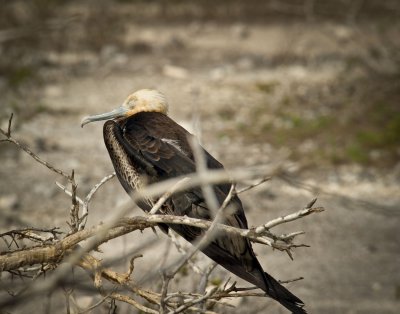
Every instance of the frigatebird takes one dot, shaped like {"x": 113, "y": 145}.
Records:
{"x": 146, "y": 146}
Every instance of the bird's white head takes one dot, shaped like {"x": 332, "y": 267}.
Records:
{"x": 144, "y": 100}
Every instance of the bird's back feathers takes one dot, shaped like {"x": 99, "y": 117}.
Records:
{"x": 151, "y": 144}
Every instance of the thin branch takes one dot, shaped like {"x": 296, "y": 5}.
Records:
{"x": 184, "y": 251}
{"x": 215, "y": 176}
{"x": 297, "y": 215}
{"x": 91, "y": 263}
{"x": 69, "y": 193}
{"x": 166, "y": 278}
{"x": 85, "y": 205}
{"x": 167, "y": 195}
{"x": 53, "y": 252}
{"x": 291, "y": 280}
{"x": 201, "y": 170}
{"x": 33, "y": 234}
{"x": 209, "y": 234}
{"x": 290, "y": 236}
{"x": 252, "y": 186}
{"x": 9, "y": 125}
{"x": 97, "y": 186}
{"x": 204, "y": 280}
{"x": 9, "y": 138}
{"x": 67, "y": 294}
{"x": 205, "y": 224}
{"x": 126, "y": 299}
{"x": 194, "y": 301}
{"x": 222, "y": 294}
{"x": 68, "y": 249}
{"x": 206, "y": 275}
{"x": 92, "y": 307}
{"x": 102, "y": 233}
{"x": 212, "y": 176}
{"x": 204, "y": 241}
{"x": 53, "y": 231}
{"x": 74, "y": 212}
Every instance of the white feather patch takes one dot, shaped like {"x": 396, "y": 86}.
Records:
{"x": 173, "y": 143}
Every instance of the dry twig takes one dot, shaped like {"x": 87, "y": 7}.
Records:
{"x": 11, "y": 139}
{"x": 61, "y": 253}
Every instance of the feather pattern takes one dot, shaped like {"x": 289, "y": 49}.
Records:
{"x": 150, "y": 147}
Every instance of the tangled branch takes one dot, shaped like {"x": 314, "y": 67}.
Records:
{"x": 53, "y": 250}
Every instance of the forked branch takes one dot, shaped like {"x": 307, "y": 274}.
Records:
{"x": 51, "y": 250}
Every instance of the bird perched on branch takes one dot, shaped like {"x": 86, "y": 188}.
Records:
{"x": 146, "y": 146}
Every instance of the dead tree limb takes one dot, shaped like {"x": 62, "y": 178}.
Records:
{"x": 52, "y": 251}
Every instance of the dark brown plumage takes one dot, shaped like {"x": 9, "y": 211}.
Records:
{"x": 150, "y": 145}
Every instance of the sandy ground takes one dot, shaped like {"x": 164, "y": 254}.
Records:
{"x": 353, "y": 263}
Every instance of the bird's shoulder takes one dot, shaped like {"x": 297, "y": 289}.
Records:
{"x": 159, "y": 134}
{"x": 158, "y": 126}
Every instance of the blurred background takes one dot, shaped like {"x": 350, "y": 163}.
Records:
{"x": 311, "y": 85}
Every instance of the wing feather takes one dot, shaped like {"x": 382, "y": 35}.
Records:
{"x": 159, "y": 148}
{"x": 170, "y": 162}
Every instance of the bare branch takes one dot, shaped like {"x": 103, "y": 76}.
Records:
{"x": 301, "y": 213}
{"x": 252, "y": 186}
{"x": 195, "y": 301}
{"x": 166, "y": 278}
{"x": 53, "y": 231}
{"x": 174, "y": 238}
{"x": 54, "y": 252}
{"x": 93, "y": 265}
{"x": 69, "y": 193}
{"x": 210, "y": 176}
{"x": 204, "y": 280}
{"x": 62, "y": 253}
{"x": 167, "y": 195}
{"x": 85, "y": 205}
{"x": 126, "y": 299}
{"x": 209, "y": 235}
{"x": 9, "y": 125}
{"x": 291, "y": 280}
{"x": 92, "y": 307}
{"x": 97, "y": 186}
{"x": 201, "y": 170}
{"x": 9, "y": 138}
{"x": 74, "y": 212}
{"x": 30, "y": 233}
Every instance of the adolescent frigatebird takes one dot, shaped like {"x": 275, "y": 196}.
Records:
{"x": 146, "y": 145}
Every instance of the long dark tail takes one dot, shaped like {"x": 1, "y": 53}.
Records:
{"x": 278, "y": 292}
{"x": 257, "y": 276}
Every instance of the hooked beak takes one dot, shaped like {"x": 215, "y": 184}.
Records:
{"x": 116, "y": 113}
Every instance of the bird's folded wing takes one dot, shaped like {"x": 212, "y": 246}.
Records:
{"x": 165, "y": 157}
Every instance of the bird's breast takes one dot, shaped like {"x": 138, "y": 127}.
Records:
{"x": 127, "y": 172}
